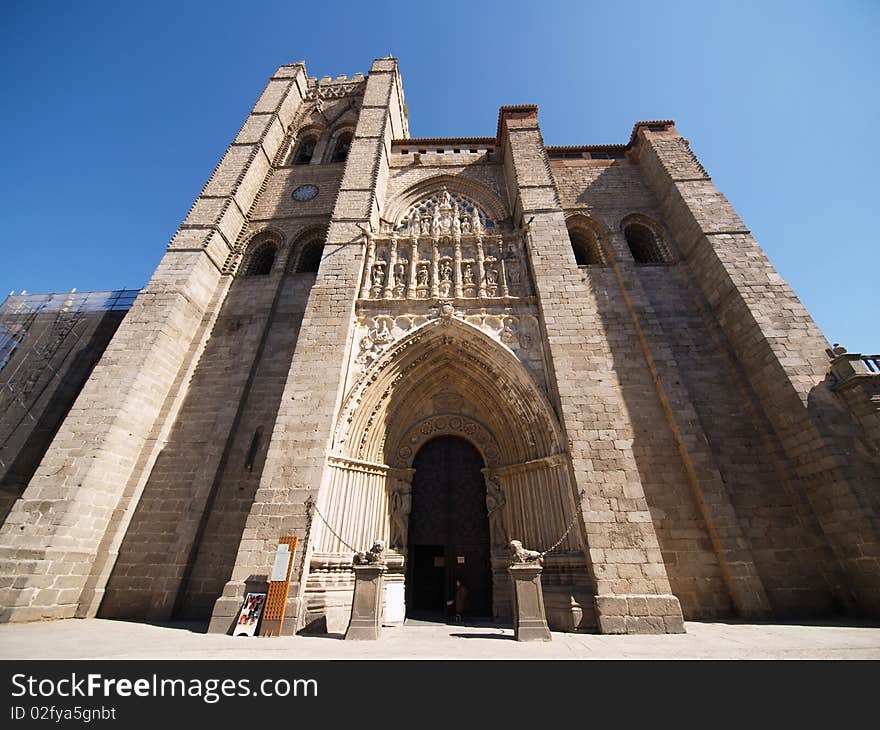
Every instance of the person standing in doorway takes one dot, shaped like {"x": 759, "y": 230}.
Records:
{"x": 459, "y": 600}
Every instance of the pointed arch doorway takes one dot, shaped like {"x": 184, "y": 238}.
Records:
{"x": 449, "y": 531}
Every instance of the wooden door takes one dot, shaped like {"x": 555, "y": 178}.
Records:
{"x": 449, "y": 530}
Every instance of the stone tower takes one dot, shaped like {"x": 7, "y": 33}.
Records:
{"x": 445, "y": 344}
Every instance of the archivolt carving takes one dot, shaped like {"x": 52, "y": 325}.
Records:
{"x": 466, "y": 192}
{"x": 445, "y": 213}
{"x": 447, "y": 425}
{"x": 413, "y": 371}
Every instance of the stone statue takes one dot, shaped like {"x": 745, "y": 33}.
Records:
{"x": 374, "y": 556}
{"x": 491, "y": 276}
{"x": 378, "y": 274}
{"x": 423, "y": 275}
{"x": 468, "y": 274}
{"x": 401, "y": 506}
{"x": 436, "y": 222}
{"x": 445, "y": 271}
{"x": 509, "y": 333}
{"x": 456, "y": 222}
{"x": 519, "y": 555}
{"x": 495, "y": 502}
{"x": 400, "y": 274}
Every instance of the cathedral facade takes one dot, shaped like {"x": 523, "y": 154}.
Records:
{"x": 446, "y": 344}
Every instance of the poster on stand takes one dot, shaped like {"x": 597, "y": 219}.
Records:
{"x": 249, "y": 616}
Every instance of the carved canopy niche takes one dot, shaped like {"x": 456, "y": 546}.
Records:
{"x": 444, "y": 245}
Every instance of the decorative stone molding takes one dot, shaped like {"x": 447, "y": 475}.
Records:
{"x": 482, "y": 357}
{"x": 338, "y": 89}
{"x": 447, "y": 425}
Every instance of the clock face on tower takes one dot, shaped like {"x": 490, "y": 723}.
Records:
{"x": 305, "y": 192}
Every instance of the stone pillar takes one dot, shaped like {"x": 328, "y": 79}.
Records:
{"x": 413, "y": 267}
{"x": 368, "y": 268}
{"x": 529, "y": 621}
{"x": 58, "y": 543}
{"x": 481, "y": 267}
{"x": 782, "y": 353}
{"x": 296, "y": 466}
{"x": 435, "y": 268}
{"x": 622, "y": 545}
{"x": 502, "y": 268}
{"x": 390, "y": 282}
{"x": 457, "y": 266}
{"x": 366, "y": 606}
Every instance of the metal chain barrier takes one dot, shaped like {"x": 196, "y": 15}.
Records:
{"x": 567, "y": 529}
{"x": 313, "y": 505}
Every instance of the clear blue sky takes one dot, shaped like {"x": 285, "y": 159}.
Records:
{"x": 115, "y": 113}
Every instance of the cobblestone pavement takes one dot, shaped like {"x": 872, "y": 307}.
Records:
{"x": 105, "y": 639}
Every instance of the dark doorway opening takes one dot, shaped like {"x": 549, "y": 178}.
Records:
{"x": 448, "y": 532}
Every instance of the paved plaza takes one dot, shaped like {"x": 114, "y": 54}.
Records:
{"x": 106, "y": 639}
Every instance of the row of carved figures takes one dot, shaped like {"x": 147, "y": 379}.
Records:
{"x": 454, "y": 222}
{"x": 394, "y": 283}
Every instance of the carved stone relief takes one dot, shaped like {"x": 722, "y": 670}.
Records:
{"x": 445, "y": 247}
{"x": 447, "y": 424}
{"x": 519, "y": 332}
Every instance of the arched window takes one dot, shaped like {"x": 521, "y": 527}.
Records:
{"x": 304, "y": 150}
{"x": 644, "y": 245}
{"x": 260, "y": 261}
{"x": 309, "y": 258}
{"x": 343, "y": 144}
{"x": 585, "y": 246}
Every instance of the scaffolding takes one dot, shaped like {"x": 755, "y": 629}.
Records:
{"x": 20, "y": 374}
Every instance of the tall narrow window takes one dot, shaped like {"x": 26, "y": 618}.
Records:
{"x": 586, "y": 247}
{"x": 343, "y": 144}
{"x": 644, "y": 246}
{"x": 304, "y": 151}
{"x": 261, "y": 260}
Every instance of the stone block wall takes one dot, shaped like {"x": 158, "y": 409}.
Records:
{"x": 179, "y": 547}
{"x": 782, "y": 355}
{"x": 623, "y": 547}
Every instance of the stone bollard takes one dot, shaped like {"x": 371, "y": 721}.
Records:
{"x": 366, "y": 606}
{"x": 526, "y": 566}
